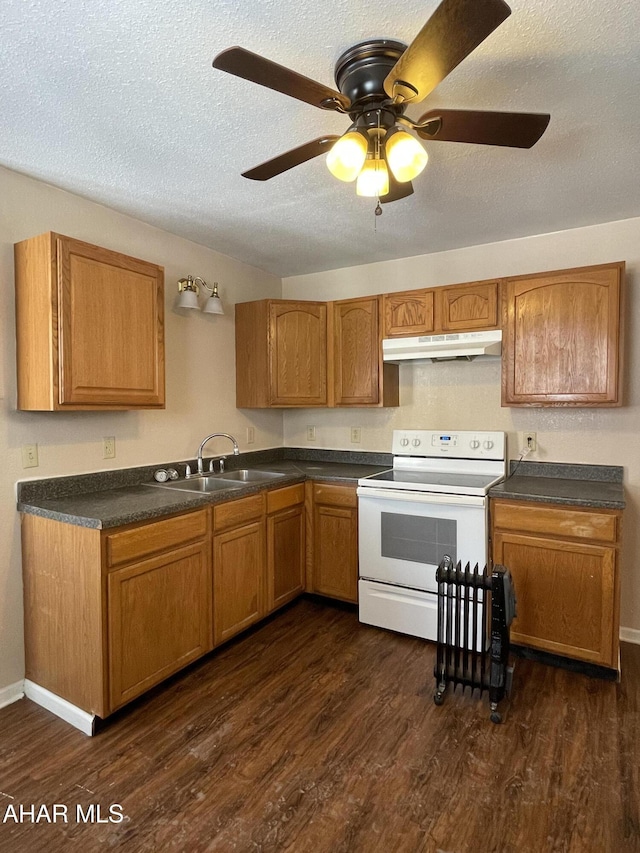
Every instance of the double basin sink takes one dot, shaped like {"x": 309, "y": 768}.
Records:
{"x": 216, "y": 482}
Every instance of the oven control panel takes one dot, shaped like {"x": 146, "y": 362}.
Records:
{"x": 464, "y": 444}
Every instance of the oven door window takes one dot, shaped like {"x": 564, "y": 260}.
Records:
{"x": 418, "y": 539}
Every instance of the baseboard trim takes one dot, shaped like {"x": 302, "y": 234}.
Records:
{"x": 60, "y": 707}
{"x": 11, "y": 693}
{"x": 630, "y": 635}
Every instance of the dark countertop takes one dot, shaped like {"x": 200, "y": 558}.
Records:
{"x": 112, "y": 507}
{"x": 595, "y": 486}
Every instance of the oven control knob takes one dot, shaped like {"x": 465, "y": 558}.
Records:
{"x": 488, "y": 444}
{"x": 416, "y": 442}
{"x": 474, "y": 443}
{"x": 404, "y": 442}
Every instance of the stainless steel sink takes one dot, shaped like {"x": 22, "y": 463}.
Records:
{"x": 199, "y": 484}
{"x": 249, "y": 475}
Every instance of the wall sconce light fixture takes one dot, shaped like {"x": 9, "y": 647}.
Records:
{"x": 189, "y": 288}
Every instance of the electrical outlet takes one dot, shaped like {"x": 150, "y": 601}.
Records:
{"x": 356, "y": 433}
{"x": 109, "y": 447}
{"x": 30, "y": 456}
{"x": 311, "y": 433}
{"x": 251, "y": 435}
{"x": 530, "y": 441}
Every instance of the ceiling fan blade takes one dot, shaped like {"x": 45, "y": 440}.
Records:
{"x": 513, "y": 130}
{"x": 454, "y": 30}
{"x": 397, "y": 190}
{"x": 257, "y": 69}
{"x": 291, "y": 158}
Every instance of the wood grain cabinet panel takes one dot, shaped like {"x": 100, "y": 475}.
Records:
{"x": 281, "y": 353}
{"x": 285, "y": 556}
{"x": 159, "y": 619}
{"x": 297, "y": 353}
{"x": 90, "y": 327}
{"x": 333, "y": 554}
{"x": 356, "y": 352}
{"x": 410, "y": 312}
{"x": 561, "y": 339}
{"x": 565, "y": 572}
{"x": 467, "y": 307}
{"x": 104, "y": 622}
{"x": 238, "y": 580}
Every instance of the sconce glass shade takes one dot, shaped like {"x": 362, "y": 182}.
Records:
{"x": 188, "y": 297}
{"x": 373, "y": 180}
{"x": 405, "y": 156}
{"x": 346, "y": 158}
{"x": 213, "y": 305}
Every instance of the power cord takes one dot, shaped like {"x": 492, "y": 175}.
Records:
{"x": 524, "y": 453}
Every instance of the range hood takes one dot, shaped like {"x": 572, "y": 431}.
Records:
{"x": 454, "y": 345}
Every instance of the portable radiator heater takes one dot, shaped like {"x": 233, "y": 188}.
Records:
{"x": 475, "y": 610}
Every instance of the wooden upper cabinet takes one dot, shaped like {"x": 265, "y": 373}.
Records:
{"x": 458, "y": 308}
{"x": 356, "y": 352}
{"x": 561, "y": 338}
{"x": 467, "y": 307}
{"x": 281, "y": 353}
{"x": 90, "y": 327}
{"x": 298, "y": 353}
{"x": 408, "y": 313}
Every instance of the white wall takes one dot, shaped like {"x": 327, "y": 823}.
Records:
{"x": 459, "y": 395}
{"x": 200, "y": 366}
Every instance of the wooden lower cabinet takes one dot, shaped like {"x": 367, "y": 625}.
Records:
{"x": 285, "y": 545}
{"x": 238, "y": 580}
{"x": 110, "y": 613}
{"x": 333, "y": 556}
{"x": 563, "y": 560}
{"x": 159, "y": 619}
{"x": 258, "y": 557}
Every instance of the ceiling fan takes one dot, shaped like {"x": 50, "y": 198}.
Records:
{"x": 376, "y": 81}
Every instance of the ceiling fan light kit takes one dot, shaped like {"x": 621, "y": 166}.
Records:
{"x": 348, "y": 155}
{"x": 373, "y": 180}
{"x": 376, "y": 80}
{"x": 405, "y": 156}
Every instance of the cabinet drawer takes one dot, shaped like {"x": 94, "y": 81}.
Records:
{"x": 233, "y": 513}
{"x": 146, "y": 539}
{"x": 323, "y": 493}
{"x": 282, "y": 498}
{"x": 569, "y": 523}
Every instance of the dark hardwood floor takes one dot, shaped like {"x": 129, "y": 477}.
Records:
{"x": 315, "y": 733}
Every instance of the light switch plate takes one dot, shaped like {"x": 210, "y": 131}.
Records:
{"x": 30, "y": 456}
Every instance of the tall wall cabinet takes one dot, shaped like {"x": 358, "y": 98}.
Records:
{"x": 562, "y": 338}
{"x": 89, "y": 327}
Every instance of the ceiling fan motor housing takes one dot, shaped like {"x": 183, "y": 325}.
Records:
{"x": 360, "y": 73}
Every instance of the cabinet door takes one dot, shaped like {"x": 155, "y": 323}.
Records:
{"x": 356, "y": 352}
{"x": 408, "y": 313}
{"x": 159, "y": 617}
{"x": 110, "y": 324}
{"x": 298, "y": 353}
{"x": 467, "y": 307}
{"x": 238, "y": 580}
{"x": 335, "y": 551}
{"x": 565, "y": 593}
{"x": 285, "y": 556}
{"x": 562, "y": 338}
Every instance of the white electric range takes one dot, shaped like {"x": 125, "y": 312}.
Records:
{"x": 432, "y": 503}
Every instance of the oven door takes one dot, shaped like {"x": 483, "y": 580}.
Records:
{"x": 403, "y": 535}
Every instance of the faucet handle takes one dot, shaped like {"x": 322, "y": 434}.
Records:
{"x": 187, "y": 471}
{"x": 211, "y": 468}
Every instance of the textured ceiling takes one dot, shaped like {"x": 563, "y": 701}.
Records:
{"x": 117, "y": 101}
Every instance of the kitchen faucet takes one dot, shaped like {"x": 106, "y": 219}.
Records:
{"x": 236, "y": 449}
